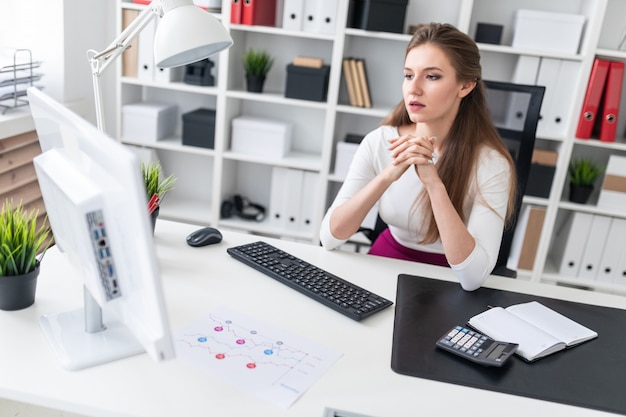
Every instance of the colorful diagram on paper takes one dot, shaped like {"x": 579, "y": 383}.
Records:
{"x": 256, "y": 357}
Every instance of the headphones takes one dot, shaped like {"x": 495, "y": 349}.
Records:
{"x": 241, "y": 207}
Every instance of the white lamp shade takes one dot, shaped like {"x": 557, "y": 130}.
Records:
{"x": 188, "y": 34}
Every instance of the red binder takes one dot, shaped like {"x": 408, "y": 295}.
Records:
{"x": 258, "y": 12}
{"x": 593, "y": 96}
{"x": 612, "y": 95}
{"x": 235, "y": 11}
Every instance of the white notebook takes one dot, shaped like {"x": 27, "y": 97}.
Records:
{"x": 537, "y": 329}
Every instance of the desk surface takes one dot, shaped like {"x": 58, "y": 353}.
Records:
{"x": 197, "y": 280}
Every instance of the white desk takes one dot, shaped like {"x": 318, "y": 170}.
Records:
{"x": 197, "y": 280}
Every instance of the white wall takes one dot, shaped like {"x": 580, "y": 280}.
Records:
{"x": 59, "y": 33}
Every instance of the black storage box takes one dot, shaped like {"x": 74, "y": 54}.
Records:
{"x": 199, "y": 128}
{"x": 488, "y": 33}
{"x": 307, "y": 83}
{"x": 540, "y": 180}
{"x": 378, "y": 15}
{"x": 541, "y": 174}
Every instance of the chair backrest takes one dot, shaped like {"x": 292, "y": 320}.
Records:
{"x": 515, "y": 112}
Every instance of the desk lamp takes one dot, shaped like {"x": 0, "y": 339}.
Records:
{"x": 185, "y": 34}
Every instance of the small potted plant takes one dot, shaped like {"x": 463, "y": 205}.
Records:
{"x": 583, "y": 173}
{"x": 22, "y": 240}
{"x": 156, "y": 187}
{"x": 256, "y": 65}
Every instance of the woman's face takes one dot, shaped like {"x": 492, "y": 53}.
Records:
{"x": 431, "y": 91}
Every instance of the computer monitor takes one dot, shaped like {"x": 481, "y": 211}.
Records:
{"x": 96, "y": 205}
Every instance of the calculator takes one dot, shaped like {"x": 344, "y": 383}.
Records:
{"x": 476, "y": 347}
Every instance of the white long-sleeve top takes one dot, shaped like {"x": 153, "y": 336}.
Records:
{"x": 485, "y": 216}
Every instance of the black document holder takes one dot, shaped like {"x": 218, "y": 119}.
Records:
{"x": 591, "y": 375}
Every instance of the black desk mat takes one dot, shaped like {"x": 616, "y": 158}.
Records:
{"x": 591, "y": 375}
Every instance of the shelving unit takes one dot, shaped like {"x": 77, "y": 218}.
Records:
{"x": 209, "y": 176}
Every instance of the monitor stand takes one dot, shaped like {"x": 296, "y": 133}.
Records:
{"x": 81, "y": 340}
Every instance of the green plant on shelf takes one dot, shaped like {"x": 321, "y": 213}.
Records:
{"x": 583, "y": 172}
{"x": 257, "y": 62}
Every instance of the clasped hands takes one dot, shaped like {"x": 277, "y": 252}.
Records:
{"x": 410, "y": 150}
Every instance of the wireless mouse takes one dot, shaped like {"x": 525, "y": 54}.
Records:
{"x": 204, "y": 236}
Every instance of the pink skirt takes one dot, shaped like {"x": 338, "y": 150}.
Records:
{"x": 385, "y": 245}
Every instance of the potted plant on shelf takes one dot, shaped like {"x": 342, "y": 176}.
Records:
{"x": 583, "y": 173}
{"x": 22, "y": 240}
{"x": 156, "y": 187}
{"x": 256, "y": 65}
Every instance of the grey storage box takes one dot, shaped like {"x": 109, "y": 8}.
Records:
{"x": 199, "y": 128}
{"x": 307, "y": 83}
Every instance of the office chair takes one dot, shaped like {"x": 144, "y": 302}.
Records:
{"x": 515, "y": 110}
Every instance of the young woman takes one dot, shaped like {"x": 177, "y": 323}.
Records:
{"x": 442, "y": 177}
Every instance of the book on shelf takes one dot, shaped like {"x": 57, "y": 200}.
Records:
{"x": 356, "y": 82}
{"x": 539, "y": 330}
{"x": 363, "y": 83}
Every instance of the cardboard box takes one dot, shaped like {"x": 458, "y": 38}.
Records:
{"x": 488, "y": 33}
{"x": 613, "y": 192}
{"x": 148, "y": 121}
{"x": 307, "y": 83}
{"x": 378, "y": 15}
{"x": 548, "y": 31}
{"x": 199, "y": 128}
{"x": 261, "y": 137}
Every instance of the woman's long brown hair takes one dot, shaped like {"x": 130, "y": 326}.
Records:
{"x": 472, "y": 128}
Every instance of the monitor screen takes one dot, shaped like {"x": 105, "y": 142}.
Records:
{"x": 96, "y": 205}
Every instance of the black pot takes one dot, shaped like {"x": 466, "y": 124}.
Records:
{"x": 579, "y": 194}
{"x": 153, "y": 218}
{"x": 255, "y": 83}
{"x": 18, "y": 291}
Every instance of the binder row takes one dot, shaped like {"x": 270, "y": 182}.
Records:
{"x": 357, "y": 84}
{"x": 592, "y": 247}
{"x": 558, "y": 76}
{"x": 293, "y": 199}
{"x": 317, "y": 16}
{"x": 600, "y": 112}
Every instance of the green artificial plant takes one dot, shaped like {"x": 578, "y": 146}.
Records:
{"x": 21, "y": 239}
{"x": 151, "y": 173}
{"x": 257, "y": 62}
{"x": 583, "y": 172}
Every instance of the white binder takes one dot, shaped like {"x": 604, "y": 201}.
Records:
{"x": 278, "y": 196}
{"x": 293, "y": 12}
{"x": 293, "y": 199}
{"x": 613, "y": 260}
{"x": 309, "y": 201}
{"x": 145, "y": 52}
{"x": 320, "y": 16}
{"x": 547, "y": 76}
{"x": 594, "y": 247}
{"x": 562, "y": 99}
{"x": 569, "y": 243}
{"x": 525, "y": 72}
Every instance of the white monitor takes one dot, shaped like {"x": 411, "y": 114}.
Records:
{"x": 96, "y": 204}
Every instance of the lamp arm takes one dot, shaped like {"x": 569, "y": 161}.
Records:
{"x": 100, "y": 61}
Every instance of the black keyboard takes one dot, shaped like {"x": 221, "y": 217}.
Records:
{"x": 330, "y": 290}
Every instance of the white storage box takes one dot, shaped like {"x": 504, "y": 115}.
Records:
{"x": 613, "y": 192}
{"x": 148, "y": 121}
{"x": 547, "y": 31}
{"x": 261, "y": 137}
{"x": 343, "y": 157}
